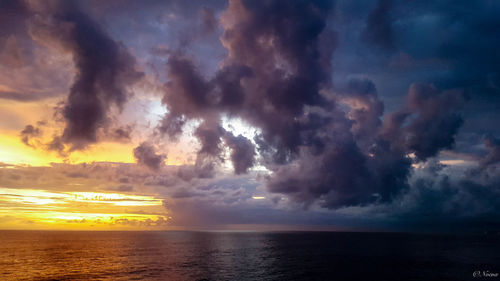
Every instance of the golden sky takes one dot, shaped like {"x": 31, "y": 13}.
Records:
{"x": 40, "y": 209}
{"x": 27, "y": 204}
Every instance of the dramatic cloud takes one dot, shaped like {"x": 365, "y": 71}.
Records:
{"x": 146, "y": 155}
{"x": 366, "y": 108}
{"x": 277, "y": 78}
{"x": 28, "y": 133}
{"x": 104, "y": 69}
{"x": 436, "y": 201}
{"x": 242, "y": 152}
{"x": 382, "y": 112}
{"x": 429, "y": 122}
{"x": 267, "y": 82}
{"x": 378, "y": 26}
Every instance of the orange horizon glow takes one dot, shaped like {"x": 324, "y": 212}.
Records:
{"x": 42, "y": 209}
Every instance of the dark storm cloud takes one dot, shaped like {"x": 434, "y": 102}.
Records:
{"x": 493, "y": 156}
{"x": 209, "y": 134}
{"x": 468, "y": 47}
{"x": 146, "y": 155}
{"x": 277, "y": 66}
{"x": 189, "y": 95}
{"x": 252, "y": 84}
{"x": 336, "y": 177}
{"x": 438, "y": 201}
{"x": 56, "y": 144}
{"x": 28, "y": 133}
{"x": 428, "y": 123}
{"x": 317, "y": 150}
{"x": 425, "y": 50}
{"x": 366, "y": 108}
{"x": 187, "y": 90}
{"x": 104, "y": 69}
{"x": 242, "y": 152}
{"x": 378, "y": 26}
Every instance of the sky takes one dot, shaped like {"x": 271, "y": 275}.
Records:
{"x": 250, "y": 115}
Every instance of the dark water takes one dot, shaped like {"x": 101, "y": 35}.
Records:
{"x": 44, "y": 255}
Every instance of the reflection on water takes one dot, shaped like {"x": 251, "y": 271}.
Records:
{"x": 46, "y": 255}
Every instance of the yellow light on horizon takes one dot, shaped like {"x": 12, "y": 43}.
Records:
{"x": 42, "y": 209}
{"x": 115, "y": 198}
{"x": 14, "y": 151}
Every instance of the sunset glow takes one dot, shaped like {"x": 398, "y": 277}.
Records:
{"x": 40, "y": 209}
{"x": 256, "y": 114}
{"x": 249, "y": 140}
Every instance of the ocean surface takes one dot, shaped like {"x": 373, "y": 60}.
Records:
{"x": 57, "y": 255}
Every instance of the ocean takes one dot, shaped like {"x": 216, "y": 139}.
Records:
{"x": 179, "y": 255}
